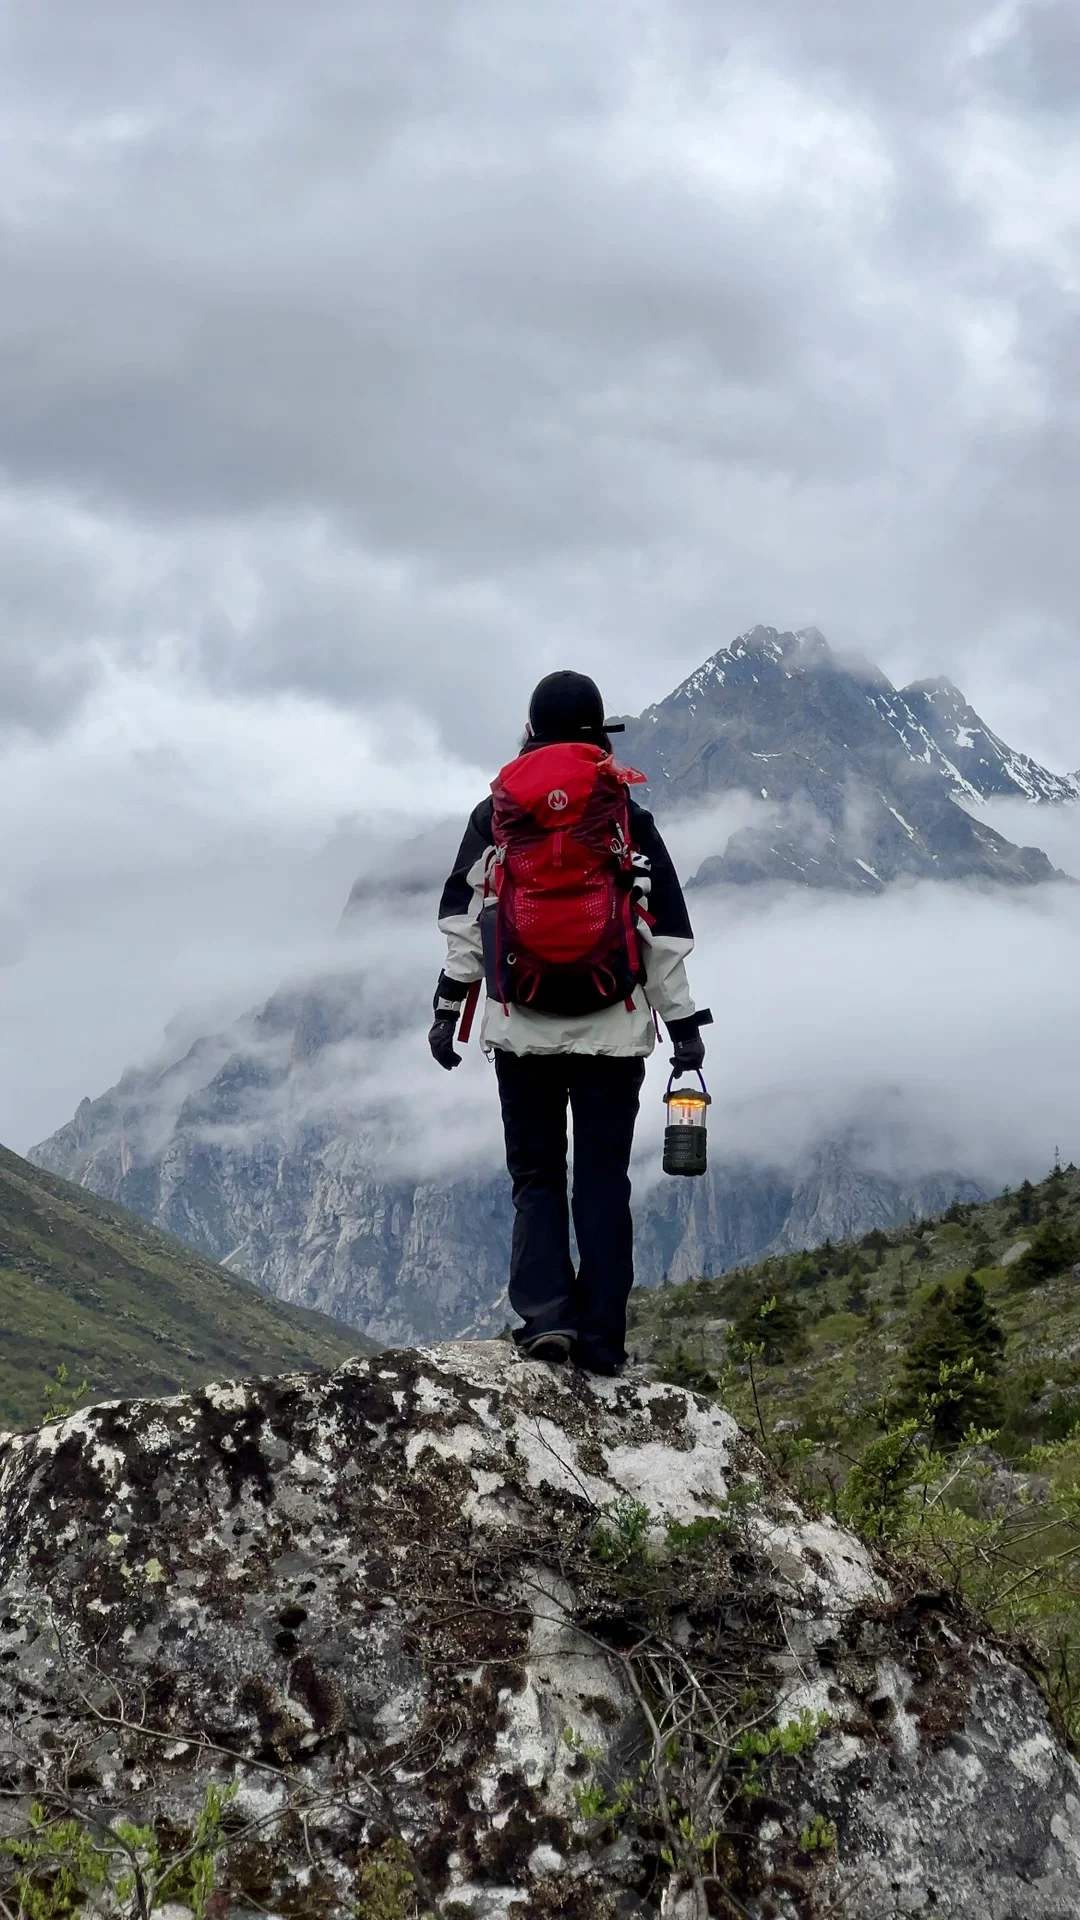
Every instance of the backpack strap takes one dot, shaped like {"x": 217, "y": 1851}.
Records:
{"x": 468, "y": 1014}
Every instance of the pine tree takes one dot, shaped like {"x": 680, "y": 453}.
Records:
{"x": 985, "y": 1340}
{"x": 938, "y": 1341}
{"x": 954, "y": 1329}
{"x": 1028, "y": 1206}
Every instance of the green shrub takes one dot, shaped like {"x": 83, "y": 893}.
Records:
{"x": 773, "y": 1324}
{"x": 385, "y": 1883}
{"x": 60, "y": 1869}
{"x": 692, "y": 1536}
{"x": 1053, "y": 1248}
{"x": 678, "y": 1368}
{"x": 622, "y": 1533}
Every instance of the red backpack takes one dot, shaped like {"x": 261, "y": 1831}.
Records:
{"x": 559, "y": 936}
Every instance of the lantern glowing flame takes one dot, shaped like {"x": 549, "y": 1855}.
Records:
{"x": 686, "y": 1106}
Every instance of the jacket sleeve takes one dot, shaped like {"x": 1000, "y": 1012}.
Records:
{"x": 462, "y": 899}
{"x": 670, "y": 938}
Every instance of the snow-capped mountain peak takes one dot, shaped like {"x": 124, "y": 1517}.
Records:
{"x": 866, "y": 782}
{"x": 762, "y": 652}
{"x": 938, "y": 726}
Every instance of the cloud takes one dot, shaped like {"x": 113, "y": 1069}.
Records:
{"x": 929, "y": 1024}
{"x": 695, "y": 836}
{"x": 936, "y": 1016}
{"x": 184, "y": 855}
{"x": 408, "y": 355}
{"x": 358, "y": 366}
{"x": 177, "y": 856}
{"x": 928, "y": 1028}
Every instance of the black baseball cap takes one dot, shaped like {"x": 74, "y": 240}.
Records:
{"x": 567, "y": 706}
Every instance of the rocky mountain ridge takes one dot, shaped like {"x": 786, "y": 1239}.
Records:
{"x": 862, "y": 784}
{"x": 227, "y": 1149}
{"x": 444, "y": 1633}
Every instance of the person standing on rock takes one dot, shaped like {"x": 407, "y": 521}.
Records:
{"x": 563, "y": 900}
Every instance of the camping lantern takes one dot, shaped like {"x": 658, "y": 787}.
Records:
{"x": 685, "y": 1140}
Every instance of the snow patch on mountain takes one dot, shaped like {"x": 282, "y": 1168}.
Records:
{"x": 937, "y": 725}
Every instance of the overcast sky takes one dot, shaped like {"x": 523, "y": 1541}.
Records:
{"x": 359, "y": 363}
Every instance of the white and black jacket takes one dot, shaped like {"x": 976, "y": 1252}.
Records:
{"x": 619, "y": 1030}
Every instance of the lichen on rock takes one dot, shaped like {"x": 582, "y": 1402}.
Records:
{"x": 525, "y": 1631}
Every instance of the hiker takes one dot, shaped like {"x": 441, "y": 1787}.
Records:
{"x": 564, "y": 901}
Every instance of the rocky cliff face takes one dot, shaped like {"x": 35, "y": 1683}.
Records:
{"x": 447, "y": 1633}
{"x": 861, "y": 781}
{"x": 229, "y": 1150}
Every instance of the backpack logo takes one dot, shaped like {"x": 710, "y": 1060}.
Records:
{"x": 557, "y": 800}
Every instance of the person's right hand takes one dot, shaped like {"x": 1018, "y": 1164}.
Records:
{"x": 689, "y": 1054}
{"x": 441, "y": 1041}
{"x": 685, "y": 1036}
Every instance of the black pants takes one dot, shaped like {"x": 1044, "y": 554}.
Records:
{"x": 603, "y": 1094}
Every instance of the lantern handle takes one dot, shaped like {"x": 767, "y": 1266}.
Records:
{"x": 701, "y": 1077}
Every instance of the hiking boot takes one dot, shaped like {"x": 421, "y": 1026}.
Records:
{"x": 553, "y": 1347}
{"x": 610, "y": 1369}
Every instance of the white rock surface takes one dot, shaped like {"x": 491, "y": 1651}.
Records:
{"x": 378, "y": 1600}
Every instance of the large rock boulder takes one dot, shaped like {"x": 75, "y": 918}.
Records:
{"x": 473, "y": 1637}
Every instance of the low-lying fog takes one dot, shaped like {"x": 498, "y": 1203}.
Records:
{"x": 937, "y": 1019}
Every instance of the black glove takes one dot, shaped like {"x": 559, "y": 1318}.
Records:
{"x": 441, "y": 1041}
{"x": 689, "y": 1054}
{"x": 449, "y": 995}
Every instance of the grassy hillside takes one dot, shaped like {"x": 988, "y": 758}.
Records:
{"x": 850, "y": 1313}
{"x": 86, "y": 1285}
{"x": 923, "y": 1386}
